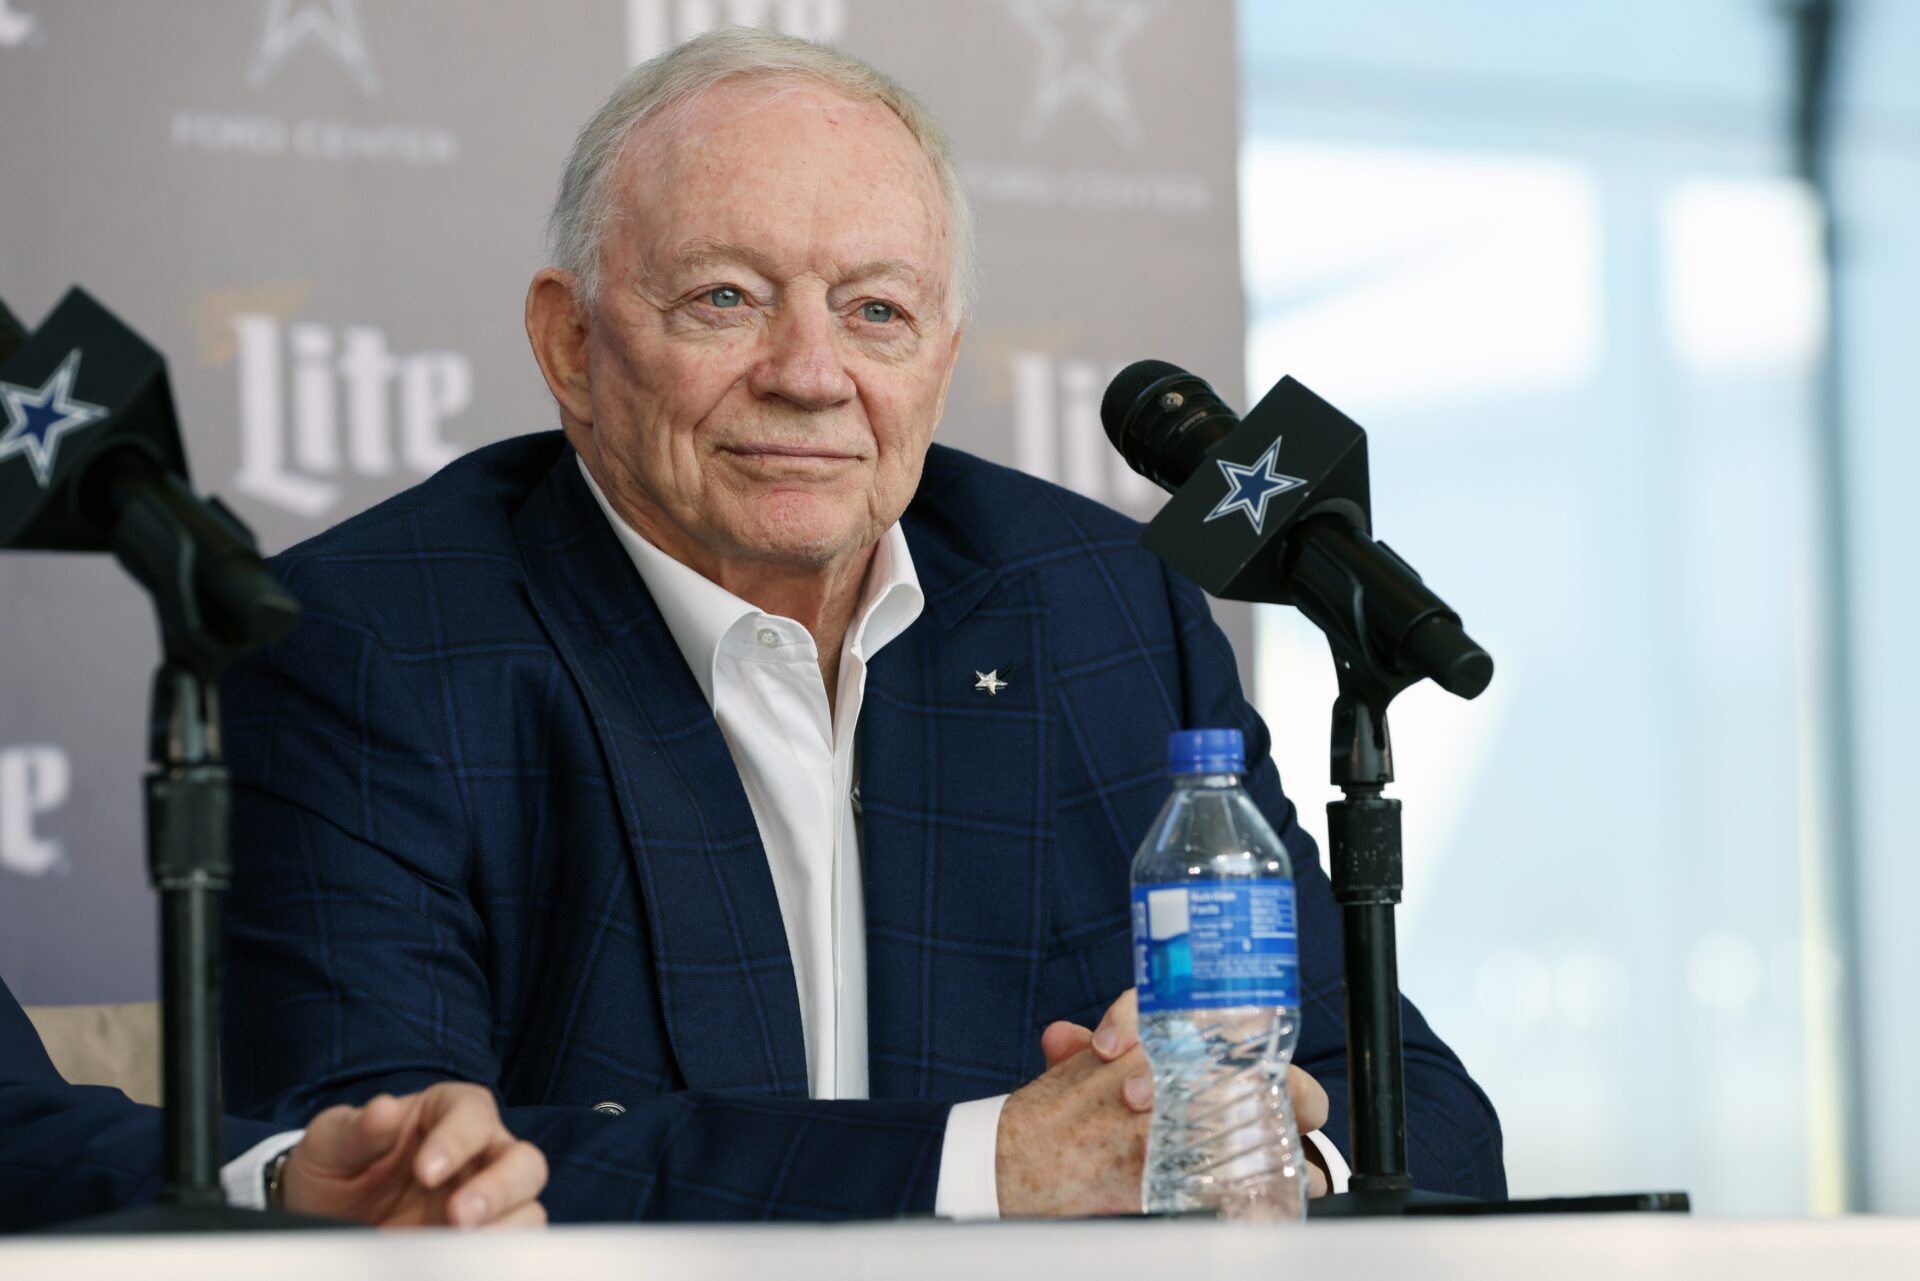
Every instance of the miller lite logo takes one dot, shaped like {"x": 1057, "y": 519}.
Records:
{"x": 34, "y": 781}
{"x": 1057, "y": 434}
{"x": 655, "y": 26}
{"x": 319, "y": 404}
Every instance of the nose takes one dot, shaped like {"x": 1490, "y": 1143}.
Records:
{"x": 801, "y": 362}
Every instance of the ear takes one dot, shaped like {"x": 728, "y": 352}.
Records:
{"x": 557, "y": 326}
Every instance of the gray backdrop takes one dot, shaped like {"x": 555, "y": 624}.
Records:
{"x": 325, "y": 213}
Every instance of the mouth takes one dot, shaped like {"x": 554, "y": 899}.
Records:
{"x": 792, "y": 452}
{"x": 800, "y": 454}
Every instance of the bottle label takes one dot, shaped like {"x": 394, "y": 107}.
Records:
{"x": 1201, "y": 945}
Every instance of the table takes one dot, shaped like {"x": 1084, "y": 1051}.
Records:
{"x": 1562, "y": 1248}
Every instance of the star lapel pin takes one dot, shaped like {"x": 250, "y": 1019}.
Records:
{"x": 990, "y": 682}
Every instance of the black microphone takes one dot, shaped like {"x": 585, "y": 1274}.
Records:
{"x": 91, "y": 460}
{"x": 1275, "y": 508}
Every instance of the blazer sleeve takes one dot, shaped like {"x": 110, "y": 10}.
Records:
{"x": 359, "y": 963}
{"x": 1453, "y": 1135}
{"x": 73, "y": 1150}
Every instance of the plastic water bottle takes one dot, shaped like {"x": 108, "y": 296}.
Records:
{"x": 1216, "y": 962}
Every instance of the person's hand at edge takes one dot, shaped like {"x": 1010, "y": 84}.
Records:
{"x": 441, "y": 1156}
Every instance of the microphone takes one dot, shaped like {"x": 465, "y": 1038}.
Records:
{"x": 91, "y": 460}
{"x": 1275, "y": 508}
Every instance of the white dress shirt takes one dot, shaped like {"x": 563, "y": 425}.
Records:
{"x": 761, "y": 675}
{"x": 245, "y": 1177}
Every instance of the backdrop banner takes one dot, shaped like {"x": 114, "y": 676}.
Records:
{"x": 326, "y": 212}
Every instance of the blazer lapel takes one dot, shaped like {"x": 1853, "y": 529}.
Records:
{"x": 956, "y": 791}
{"x": 720, "y": 958}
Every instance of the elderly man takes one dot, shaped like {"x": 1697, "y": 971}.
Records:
{"x": 742, "y": 785}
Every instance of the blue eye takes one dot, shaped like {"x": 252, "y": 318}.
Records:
{"x": 878, "y": 313}
{"x": 725, "y": 296}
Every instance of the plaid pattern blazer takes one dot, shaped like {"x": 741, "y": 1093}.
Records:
{"x": 486, "y": 827}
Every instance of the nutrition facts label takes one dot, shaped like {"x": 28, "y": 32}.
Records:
{"x": 1211, "y": 944}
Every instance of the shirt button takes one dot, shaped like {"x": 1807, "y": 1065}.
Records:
{"x": 768, "y": 637}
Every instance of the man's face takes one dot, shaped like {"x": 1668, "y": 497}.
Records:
{"x": 773, "y": 336}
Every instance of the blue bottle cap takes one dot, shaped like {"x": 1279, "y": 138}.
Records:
{"x": 1206, "y": 751}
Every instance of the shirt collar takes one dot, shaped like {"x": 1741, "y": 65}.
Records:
{"x": 699, "y": 613}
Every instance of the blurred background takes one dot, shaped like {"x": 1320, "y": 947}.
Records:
{"x": 1633, "y": 411}
{"x": 1564, "y": 262}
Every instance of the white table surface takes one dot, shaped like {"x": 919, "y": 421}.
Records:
{"x": 1565, "y": 1249}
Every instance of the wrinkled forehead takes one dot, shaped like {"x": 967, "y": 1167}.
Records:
{"x": 793, "y": 168}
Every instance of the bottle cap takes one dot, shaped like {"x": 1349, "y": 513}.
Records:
{"x": 1206, "y": 751}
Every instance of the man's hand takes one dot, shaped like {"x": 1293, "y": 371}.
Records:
{"x": 1117, "y": 1040}
{"x": 441, "y": 1156}
{"x": 1071, "y": 1144}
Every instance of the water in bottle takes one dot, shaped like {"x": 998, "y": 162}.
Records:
{"x": 1216, "y": 962}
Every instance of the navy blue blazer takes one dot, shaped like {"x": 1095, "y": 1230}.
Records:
{"x": 486, "y": 828}
{"x": 73, "y": 1150}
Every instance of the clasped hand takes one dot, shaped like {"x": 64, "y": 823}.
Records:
{"x": 1073, "y": 1142}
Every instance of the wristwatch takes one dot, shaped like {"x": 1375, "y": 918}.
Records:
{"x": 275, "y": 1168}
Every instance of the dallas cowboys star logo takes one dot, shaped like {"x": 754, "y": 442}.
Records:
{"x": 37, "y": 417}
{"x": 1080, "y": 43}
{"x": 333, "y": 24}
{"x": 1249, "y": 488}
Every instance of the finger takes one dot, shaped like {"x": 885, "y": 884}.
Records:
{"x": 1309, "y": 1100}
{"x": 504, "y": 1186}
{"x": 1119, "y": 1030}
{"x": 346, "y": 1140}
{"x": 1316, "y": 1181}
{"x": 1062, "y": 1040}
{"x": 1136, "y": 1087}
{"x": 530, "y": 1215}
{"x": 462, "y": 1122}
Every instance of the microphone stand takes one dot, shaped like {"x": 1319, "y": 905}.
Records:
{"x": 190, "y": 864}
{"x": 214, "y": 601}
{"x": 1364, "y": 866}
{"x": 1363, "y": 858}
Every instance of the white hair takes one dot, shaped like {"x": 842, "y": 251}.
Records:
{"x": 586, "y": 203}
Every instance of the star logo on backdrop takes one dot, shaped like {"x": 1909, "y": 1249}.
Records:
{"x": 990, "y": 682}
{"x": 1250, "y": 488}
{"x": 1080, "y": 43}
{"x": 292, "y": 23}
{"x": 37, "y": 417}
